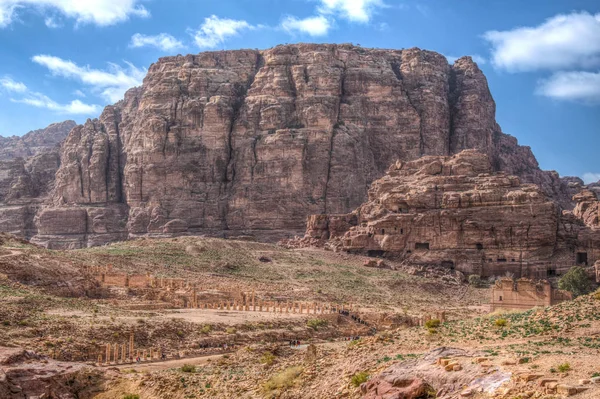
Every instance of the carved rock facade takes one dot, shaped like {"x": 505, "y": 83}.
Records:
{"x": 456, "y": 212}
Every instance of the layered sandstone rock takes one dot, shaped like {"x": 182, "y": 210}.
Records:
{"x": 251, "y": 142}
{"x": 456, "y": 212}
{"x": 28, "y": 166}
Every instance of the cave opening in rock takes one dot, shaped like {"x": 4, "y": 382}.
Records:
{"x": 422, "y": 245}
{"x": 582, "y": 258}
{"x": 448, "y": 264}
{"x": 375, "y": 253}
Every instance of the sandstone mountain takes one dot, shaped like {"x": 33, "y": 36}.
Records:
{"x": 457, "y": 213}
{"x": 28, "y": 167}
{"x": 250, "y": 142}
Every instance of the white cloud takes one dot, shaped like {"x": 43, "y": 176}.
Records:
{"x": 52, "y": 23}
{"x": 12, "y": 85}
{"x": 577, "y": 86}
{"x": 476, "y": 57}
{"x": 99, "y": 12}
{"x": 79, "y": 93}
{"x": 162, "y": 41}
{"x": 111, "y": 84}
{"x": 214, "y": 31}
{"x": 313, "y": 26}
{"x": 352, "y": 10}
{"x": 74, "y": 107}
{"x": 591, "y": 177}
{"x": 561, "y": 42}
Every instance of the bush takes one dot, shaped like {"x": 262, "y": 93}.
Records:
{"x": 501, "y": 322}
{"x": 267, "y": 358}
{"x": 475, "y": 281}
{"x": 358, "y": 378}
{"x": 316, "y": 323}
{"x": 563, "y": 368}
{"x": 206, "y": 329}
{"x": 597, "y": 295}
{"x": 433, "y": 323}
{"x": 283, "y": 380}
{"x": 188, "y": 368}
{"x": 576, "y": 281}
{"x": 131, "y": 396}
{"x": 231, "y": 330}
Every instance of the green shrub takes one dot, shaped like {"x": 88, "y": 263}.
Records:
{"x": 358, "y": 378}
{"x": 231, "y": 330}
{"x": 501, "y": 322}
{"x": 597, "y": 295}
{"x": 283, "y": 380}
{"x": 206, "y": 329}
{"x": 131, "y": 396}
{"x": 433, "y": 323}
{"x": 563, "y": 368}
{"x": 267, "y": 358}
{"x": 188, "y": 368}
{"x": 576, "y": 281}
{"x": 475, "y": 281}
{"x": 315, "y": 324}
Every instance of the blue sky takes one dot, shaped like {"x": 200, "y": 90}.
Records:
{"x": 66, "y": 59}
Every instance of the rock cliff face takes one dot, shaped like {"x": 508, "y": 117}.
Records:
{"x": 251, "y": 142}
{"x": 456, "y": 212}
{"x": 28, "y": 166}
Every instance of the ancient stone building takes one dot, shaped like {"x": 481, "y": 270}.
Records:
{"x": 456, "y": 212}
{"x": 525, "y": 294}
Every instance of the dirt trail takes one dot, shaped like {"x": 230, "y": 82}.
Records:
{"x": 167, "y": 364}
{"x": 13, "y": 252}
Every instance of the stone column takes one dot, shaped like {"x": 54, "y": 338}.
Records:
{"x": 301, "y": 307}
{"x": 253, "y": 303}
{"x": 123, "y": 353}
{"x": 260, "y": 305}
{"x": 131, "y": 345}
{"x": 107, "y": 353}
{"x": 116, "y": 353}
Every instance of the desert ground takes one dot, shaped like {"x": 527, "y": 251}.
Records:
{"x": 57, "y": 319}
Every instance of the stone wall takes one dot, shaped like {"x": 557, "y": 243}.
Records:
{"x": 525, "y": 294}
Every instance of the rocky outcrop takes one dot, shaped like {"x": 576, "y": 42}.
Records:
{"x": 28, "y": 166}
{"x": 25, "y": 374}
{"x": 251, "y": 142}
{"x": 456, "y": 212}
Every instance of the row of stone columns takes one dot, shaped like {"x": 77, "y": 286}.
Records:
{"x": 270, "y": 306}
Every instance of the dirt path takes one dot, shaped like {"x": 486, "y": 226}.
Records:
{"x": 13, "y": 252}
{"x": 168, "y": 364}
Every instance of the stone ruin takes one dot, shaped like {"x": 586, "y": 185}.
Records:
{"x": 192, "y": 295}
{"x": 524, "y": 294}
{"x": 455, "y": 212}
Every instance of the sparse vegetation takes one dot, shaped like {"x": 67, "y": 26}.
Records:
{"x": 315, "y": 324}
{"x": 359, "y": 378}
{"x": 131, "y": 396}
{"x": 268, "y": 358}
{"x": 475, "y": 281}
{"x": 283, "y": 380}
{"x": 188, "y": 368}
{"x": 501, "y": 322}
{"x": 564, "y": 367}
{"x": 433, "y": 323}
{"x": 576, "y": 281}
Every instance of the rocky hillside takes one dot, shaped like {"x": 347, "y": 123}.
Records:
{"x": 250, "y": 142}
{"x": 28, "y": 166}
{"x": 457, "y": 213}
{"x": 35, "y": 142}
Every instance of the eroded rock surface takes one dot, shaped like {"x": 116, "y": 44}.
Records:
{"x": 251, "y": 142}
{"x": 28, "y": 166}
{"x": 456, "y": 212}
